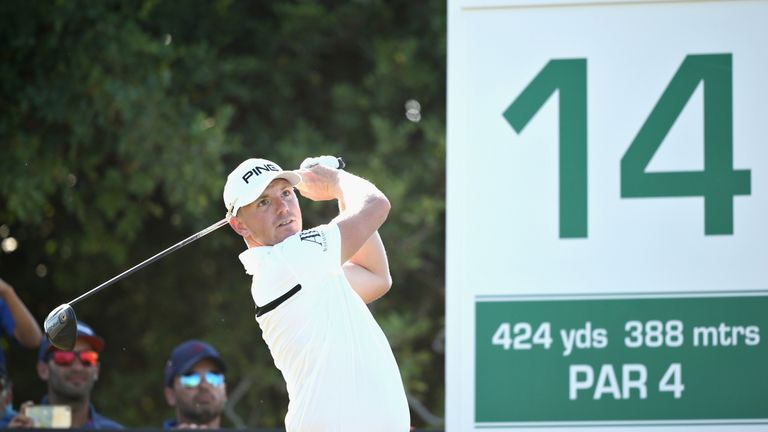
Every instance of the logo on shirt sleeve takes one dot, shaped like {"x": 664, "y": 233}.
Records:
{"x": 316, "y": 237}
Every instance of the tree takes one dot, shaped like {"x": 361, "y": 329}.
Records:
{"x": 121, "y": 120}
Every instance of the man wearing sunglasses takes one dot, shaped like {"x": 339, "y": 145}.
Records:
{"x": 71, "y": 376}
{"x": 194, "y": 386}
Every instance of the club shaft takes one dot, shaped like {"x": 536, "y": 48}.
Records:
{"x": 149, "y": 261}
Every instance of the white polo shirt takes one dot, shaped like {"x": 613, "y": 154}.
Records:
{"x": 338, "y": 366}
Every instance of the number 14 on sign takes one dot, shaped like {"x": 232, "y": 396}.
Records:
{"x": 717, "y": 183}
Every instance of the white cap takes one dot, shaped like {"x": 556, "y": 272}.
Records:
{"x": 249, "y": 180}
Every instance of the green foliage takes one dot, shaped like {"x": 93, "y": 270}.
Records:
{"x": 120, "y": 121}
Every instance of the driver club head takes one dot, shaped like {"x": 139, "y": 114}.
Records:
{"x": 61, "y": 327}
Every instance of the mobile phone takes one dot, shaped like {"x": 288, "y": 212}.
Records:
{"x": 50, "y": 416}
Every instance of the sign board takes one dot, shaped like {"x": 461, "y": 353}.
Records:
{"x": 607, "y": 215}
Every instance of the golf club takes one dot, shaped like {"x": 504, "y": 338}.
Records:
{"x": 61, "y": 324}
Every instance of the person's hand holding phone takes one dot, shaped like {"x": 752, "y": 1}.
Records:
{"x": 42, "y": 416}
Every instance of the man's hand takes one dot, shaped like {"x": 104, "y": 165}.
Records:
{"x": 20, "y": 420}
{"x": 319, "y": 183}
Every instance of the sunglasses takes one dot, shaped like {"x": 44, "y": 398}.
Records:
{"x": 193, "y": 379}
{"x": 66, "y": 358}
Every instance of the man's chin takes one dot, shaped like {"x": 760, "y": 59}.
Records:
{"x": 286, "y": 231}
{"x": 203, "y": 415}
{"x": 74, "y": 394}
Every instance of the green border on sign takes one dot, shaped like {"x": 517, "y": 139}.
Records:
{"x": 634, "y": 359}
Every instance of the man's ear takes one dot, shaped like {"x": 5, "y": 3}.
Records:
{"x": 170, "y": 397}
{"x": 239, "y": 226}
{"x": 42, "y": 371}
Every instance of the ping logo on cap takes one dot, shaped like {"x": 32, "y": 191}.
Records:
{"x": 257, "y": 170}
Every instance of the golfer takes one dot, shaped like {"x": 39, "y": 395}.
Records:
{"x": 311, "y": 288}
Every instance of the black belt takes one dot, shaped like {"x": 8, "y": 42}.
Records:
{"x": 277, "y": 302}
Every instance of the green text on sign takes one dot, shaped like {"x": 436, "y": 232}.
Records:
{"x": 717, "y": 183}
{"x": 621, "y": 359}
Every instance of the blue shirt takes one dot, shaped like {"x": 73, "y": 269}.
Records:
{"x": 174, "y": 424}
{"x": 7, "y": 326}
{"x": 8, "y": 415}
{"x": 95, "y": 420}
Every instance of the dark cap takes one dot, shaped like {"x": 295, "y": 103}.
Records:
{"x": 84, "y": 331}
{"x": 184, "y": 357}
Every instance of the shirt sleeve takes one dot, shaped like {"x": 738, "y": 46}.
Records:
{"x": 314, "y": 252}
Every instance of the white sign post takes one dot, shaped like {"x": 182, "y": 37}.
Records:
{"x": 607, "y": 215}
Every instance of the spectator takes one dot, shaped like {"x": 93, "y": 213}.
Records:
{"x": 16, "y": 322}
{"x": 194, "y": 386}
{"x": 71, "y": 376}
